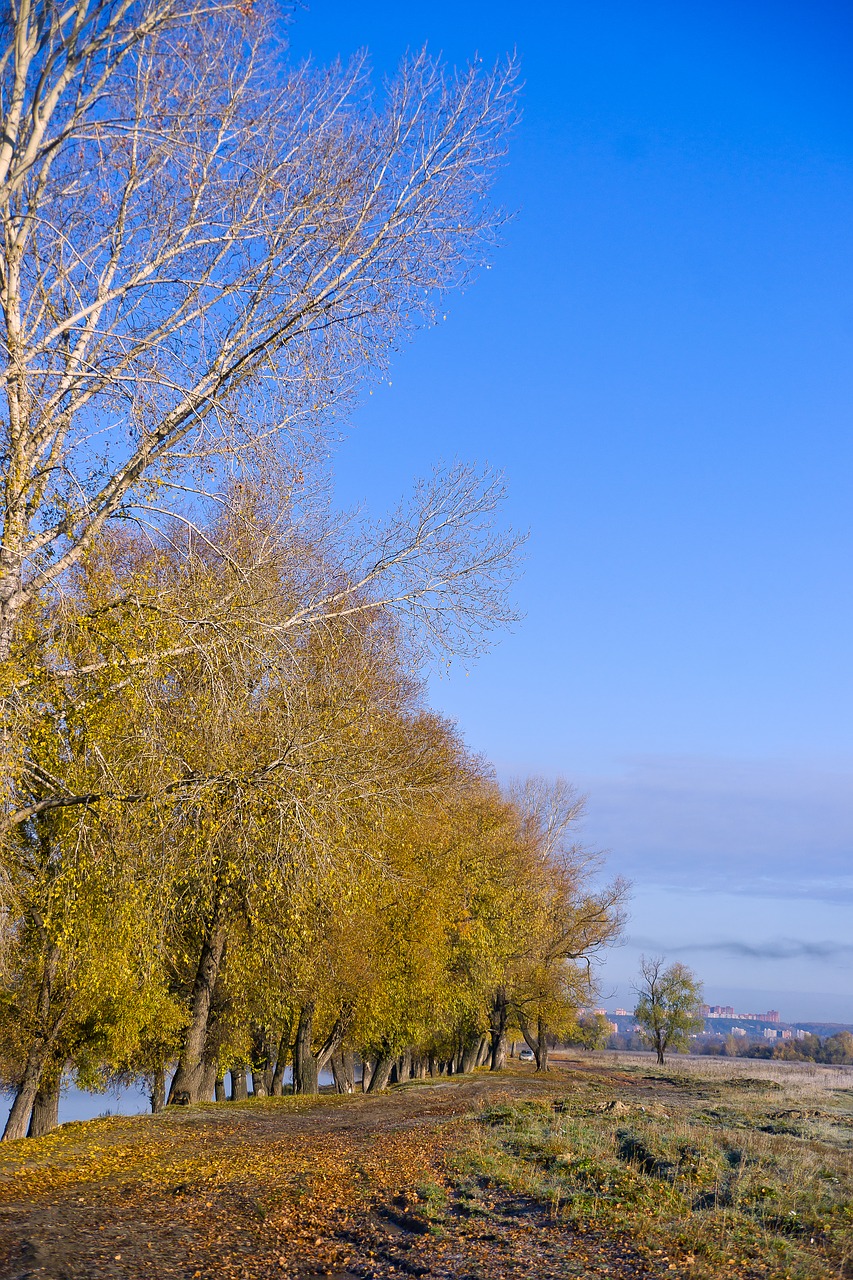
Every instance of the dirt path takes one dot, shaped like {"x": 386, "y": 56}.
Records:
{"x": 284, "y": 1188}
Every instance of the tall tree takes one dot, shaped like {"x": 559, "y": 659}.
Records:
{"x": 204, "y": 249}
{"x": 81, "y": 889}
{"x": 265, "y": 572}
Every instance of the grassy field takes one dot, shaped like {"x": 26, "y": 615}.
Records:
{"x": 722, "y": 1168}
{"x": 600, "y": 1169}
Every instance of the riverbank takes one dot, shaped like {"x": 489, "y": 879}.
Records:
{"x": 481, "y": 1176}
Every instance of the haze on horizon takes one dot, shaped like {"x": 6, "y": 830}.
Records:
{"x": 660, "y": 359}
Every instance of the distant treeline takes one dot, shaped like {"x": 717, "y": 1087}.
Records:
{"x": 834, "y": 1050}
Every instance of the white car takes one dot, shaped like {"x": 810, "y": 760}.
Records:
{"x": 527, "y": 1055}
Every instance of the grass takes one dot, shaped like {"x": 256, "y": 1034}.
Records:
{"x": 431, "y": 1199}
{"x": 707, "y": 1172}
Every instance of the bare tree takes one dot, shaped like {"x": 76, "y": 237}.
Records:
{"x": 549, "y": 810}
{"x": 203, "y": 249}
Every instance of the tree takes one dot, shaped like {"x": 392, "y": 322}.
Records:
{"x": 204, "y": 250}
{"x": 81, "y": 894}
{"x": 592, "y": 1031}
{"x": 667, "y": 1009}
{"x": 315, "y": 749}
{"x": 568, "y": 922}
{"x": 838, "y": 1049}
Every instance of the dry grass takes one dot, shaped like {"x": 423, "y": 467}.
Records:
{"x": 710, "y": 1166}
{"x": 793, "y": 1075}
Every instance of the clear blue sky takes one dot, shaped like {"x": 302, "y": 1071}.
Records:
{"x": 661, "y": 360}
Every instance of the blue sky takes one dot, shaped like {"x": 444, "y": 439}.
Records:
{"x": 660, "y": 361}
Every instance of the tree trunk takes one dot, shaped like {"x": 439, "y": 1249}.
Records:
{"x": 11, "y": 585}
{"x": 277, "y": 1085}
{"x": 18, "y": 1122}
{"x": 191, "y": 1077}
{"x": 45, "y": 1113}
{"x": 239, "y": 1088}
{"x": 307, "y": 1064}
{"x": 366, "y": 1074}
{"x": 497, "y": 1030}
{"x": 305, "y": 1070}
{"x": 219, "y": 1094}
{"x": 468, "y": 1057}
{"x": 262, "y": 1064}
{"x": 381, "y": 1073}
{"x": 334, "y": 1039}
{"x": 541, "y": 1049}
{"x": 210, "y": 1070}
{"x": 484, "y": 1051}
{"x": 538, "y": 1042}
{"x": 158, "y": 1090}
{"x": 343, "y": 1071}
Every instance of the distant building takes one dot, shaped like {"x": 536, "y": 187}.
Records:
{"x": 770, "y": 1034}
{"x": 738, "y": 1031}
{"x": 786, "y": 1035}
{"x": 620, "y": 1013}
{"x": 726, "y": 1011}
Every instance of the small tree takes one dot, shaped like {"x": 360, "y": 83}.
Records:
{"x": 592, "y": 1032}
{"x": 667, "y": 1009}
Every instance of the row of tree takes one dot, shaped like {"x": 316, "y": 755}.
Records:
{"x": 237, "y": 838}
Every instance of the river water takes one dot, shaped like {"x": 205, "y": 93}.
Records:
{"x": 130, "y": 1100}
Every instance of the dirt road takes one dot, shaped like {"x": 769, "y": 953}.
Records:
{"x": 356, "y": 1186}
